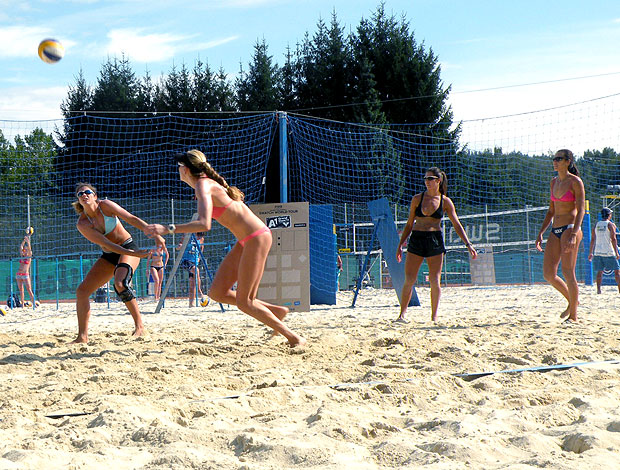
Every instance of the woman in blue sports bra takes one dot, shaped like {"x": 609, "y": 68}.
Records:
{"x": 566, "y": 211}
{"x": 99, "y": 223}
{"x": 426, "y": 240}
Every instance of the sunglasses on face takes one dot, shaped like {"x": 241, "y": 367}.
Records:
{"x": 431, "y": 178}
{"x": 558, "y": 159}
{"x": 88, "y": 192}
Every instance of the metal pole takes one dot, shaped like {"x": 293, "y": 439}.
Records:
{"x": 527, "y": 238}
{"x": 28, "y": 204}
{"x": 174, "y": 244}
{"x": 445, "y": 261}
{"x": 587, "y": 240}
{"x": 33, "y": 279}
{"x": 346, "y": 226}
{"x": 196, "y": 270}
{"x": 11, "y": 274}
{"x": 283, "y": 158}
{"x": 486, "y": 221}
{"x": 57, "y": 284}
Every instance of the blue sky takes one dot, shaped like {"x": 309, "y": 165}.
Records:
{"x": 480, "y": 45}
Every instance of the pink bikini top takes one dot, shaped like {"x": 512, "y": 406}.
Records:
{"x": 567, "y": 197}
{"x": 217, "y": 211}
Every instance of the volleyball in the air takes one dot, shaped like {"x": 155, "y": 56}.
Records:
{"x": 29, "y": 231}
{"x": 51, "y": 51}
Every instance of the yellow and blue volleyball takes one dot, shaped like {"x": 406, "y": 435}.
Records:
{"x": 29, "y": 231}
{"x": 51, "y": 51}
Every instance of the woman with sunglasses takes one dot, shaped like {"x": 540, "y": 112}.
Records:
{"x": 245, "y": 263}
{"x": 426, "y": 241}
{"x": 99, "y": 223}
{"x": 566, "y": 211}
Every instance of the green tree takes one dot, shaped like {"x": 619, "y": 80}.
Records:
{"x": 79, "y": 97}
{"x": 117, "y": 87}
{"x": 29, "y": 160}
{"x": 258, "y": 89}
{"x": 145, "y": 94}
{"x": 174, "y": 92}
{"x": 224, "y": 93}
{"x": 408, "y": 77}
{"x": 323, "y": 68}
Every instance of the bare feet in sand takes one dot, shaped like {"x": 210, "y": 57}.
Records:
{"x": 566, "y": 312}
{"x": 138, "y": 332}
{"x": 81, "y": 339}
{"x": 300, "y": 343}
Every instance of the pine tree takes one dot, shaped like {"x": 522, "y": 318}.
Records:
{"x": 258, "y": 89}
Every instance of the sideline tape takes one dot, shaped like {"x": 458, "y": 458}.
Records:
{"x": 345, "y": 386}
{"x": 69, "y": 414}
{"x": 474, "y": 376}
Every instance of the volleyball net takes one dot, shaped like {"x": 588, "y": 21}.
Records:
{"x": 129, "y": 161}
{"x": 498, "y": 177}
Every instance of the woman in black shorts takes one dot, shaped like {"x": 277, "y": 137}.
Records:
{"x": 426, "y": 241}
{"x": 99, "y": 223}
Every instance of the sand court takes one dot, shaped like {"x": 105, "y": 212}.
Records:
{"x": 206, "y": 389}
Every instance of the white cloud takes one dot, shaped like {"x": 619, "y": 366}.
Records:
{"x": 23, "y": 40}
{"x": 211, "y": 44}
{"x": 141, "y": 47}
{"x": 32, "y": 107}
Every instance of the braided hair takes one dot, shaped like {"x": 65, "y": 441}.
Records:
{"x": 198, "y": 165}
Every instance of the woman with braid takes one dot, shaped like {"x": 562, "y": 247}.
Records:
{"x": 245, "y": 263}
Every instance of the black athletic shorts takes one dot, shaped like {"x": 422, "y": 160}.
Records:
{"x": 188, "y": 265}
{"x": 114, "y": 257}
{"x": 426, "y": 244}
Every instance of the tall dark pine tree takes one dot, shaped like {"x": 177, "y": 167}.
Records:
{"x": 407, "y": 76}
{"x": 258, "y": 89}
{"x": 224, "y": 93}
{"x": 75, "y": 138}
{"x": 117, "y": 88}
{"x": 174, "y": 92}
{"x": 288, "y": 91}
{"x": 323, "y": 63}
{"x": 145, "y": 103}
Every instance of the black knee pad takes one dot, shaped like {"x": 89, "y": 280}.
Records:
{"x": 127, "y": 294}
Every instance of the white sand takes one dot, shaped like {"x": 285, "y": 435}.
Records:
{"x": 364, "y": 394}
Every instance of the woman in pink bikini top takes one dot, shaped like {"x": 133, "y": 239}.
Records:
{"x": 566, "y": 211}
{"x": 245, "y": 263}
